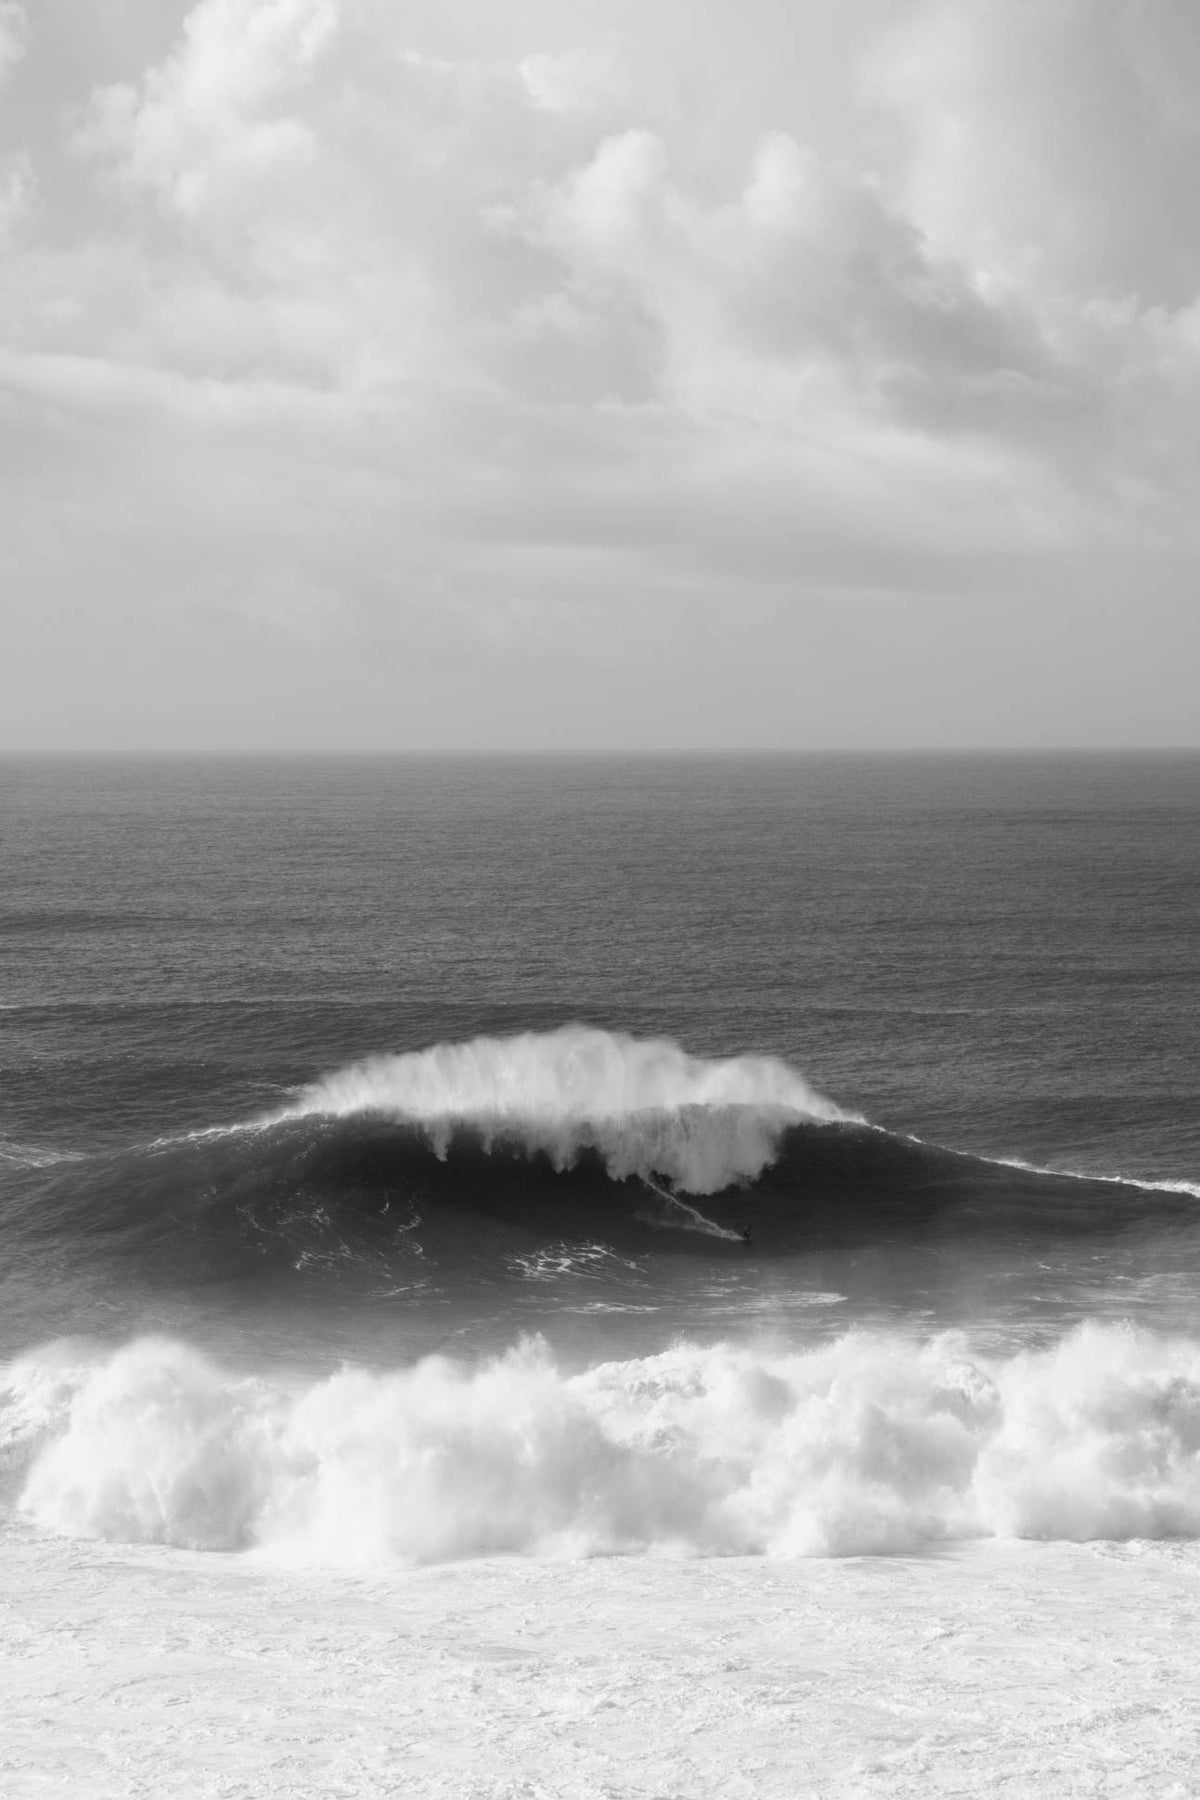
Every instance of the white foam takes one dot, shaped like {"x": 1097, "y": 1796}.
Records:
{"x": 643, "y": 1104}
{"x": 557, "y": 1260}
{"x": 35, "y": 1156}
{"x": 1152, "y": 1184}
{"x": 874, "y": 1443}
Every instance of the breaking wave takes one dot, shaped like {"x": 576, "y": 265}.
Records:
{"x": 643, "y": 1106}
{"x": 872, "y": 1444}
{"x": 477, "y": 1161}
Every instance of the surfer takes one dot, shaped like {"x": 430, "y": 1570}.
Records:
{"x": 748, "y": 1237}
{"x": 681, "y": 1216}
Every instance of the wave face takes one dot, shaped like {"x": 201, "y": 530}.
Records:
{"x": 871, "y": 1444}
{"x": 501, "y": 1160}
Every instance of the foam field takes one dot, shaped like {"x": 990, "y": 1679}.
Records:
{"x": 1005, "y": 1668}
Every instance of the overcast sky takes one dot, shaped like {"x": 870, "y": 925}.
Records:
{"x": 599, "y": 373}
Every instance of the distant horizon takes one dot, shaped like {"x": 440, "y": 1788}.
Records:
{"x": 581, "y": 753}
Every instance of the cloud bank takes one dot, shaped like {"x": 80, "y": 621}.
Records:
{"x": 381, "y": 377}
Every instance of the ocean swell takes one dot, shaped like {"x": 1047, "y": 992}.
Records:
{"x": 469, "y": 1164}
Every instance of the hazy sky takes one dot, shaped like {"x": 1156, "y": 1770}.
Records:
{"x": 607, "y": 373}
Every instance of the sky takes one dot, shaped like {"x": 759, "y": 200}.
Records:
{"x": 599, "y": 374}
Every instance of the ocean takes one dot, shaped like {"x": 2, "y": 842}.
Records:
{"x": 706, "y": 1205}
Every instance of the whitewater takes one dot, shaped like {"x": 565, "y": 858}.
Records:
{"x": 869, "y": 1445}
{"x": 600, "y": 1281}
{"x": 884, "y": 1568}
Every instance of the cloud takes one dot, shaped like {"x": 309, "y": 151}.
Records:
{"x": 1047, "y": 151}
{"x": 14, "y": 36}
{"x": 807, "y": 267}
{"x": 362, "y": 214}
{"x": 482, "y": 325}
{"x": 588, "y": 82}
{"x": 222, "y": 107}
{"x": 1054, "y": 145}
{"x": 18, "y": 192}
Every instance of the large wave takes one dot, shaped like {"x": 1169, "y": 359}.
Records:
{"x": 642, "y": 1105}
{"x": 874, "y": 1443}
{"x": 464, "y": 1161}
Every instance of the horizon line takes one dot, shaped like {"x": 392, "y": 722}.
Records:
{"x": 592, "y": 752}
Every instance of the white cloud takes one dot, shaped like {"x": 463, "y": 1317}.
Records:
{"x": 18, "y": 192}
{"x": 577, "y": 81}
{"x": 804, "y": 298}
{"x": 394, "y": 324}
{"x": 14, "y": 36}
{"x": 221, "y": 109}
{"x": 1054, "y": 144}
{"x": 349, "y": 213}
{"x": 218, "y": 128}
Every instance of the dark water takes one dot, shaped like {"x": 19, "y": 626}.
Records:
{"x": 996, "y": 956}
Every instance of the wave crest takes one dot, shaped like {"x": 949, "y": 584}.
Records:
{"x": 643, "y": 1105}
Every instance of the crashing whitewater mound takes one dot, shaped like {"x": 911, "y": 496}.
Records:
{"x": 874, "y": 1443}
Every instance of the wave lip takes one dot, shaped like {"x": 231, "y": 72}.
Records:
{"x": 872, "y": 1444}
{"x": 643, "y": 1105}
{"x": 1149, "y": 1184}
